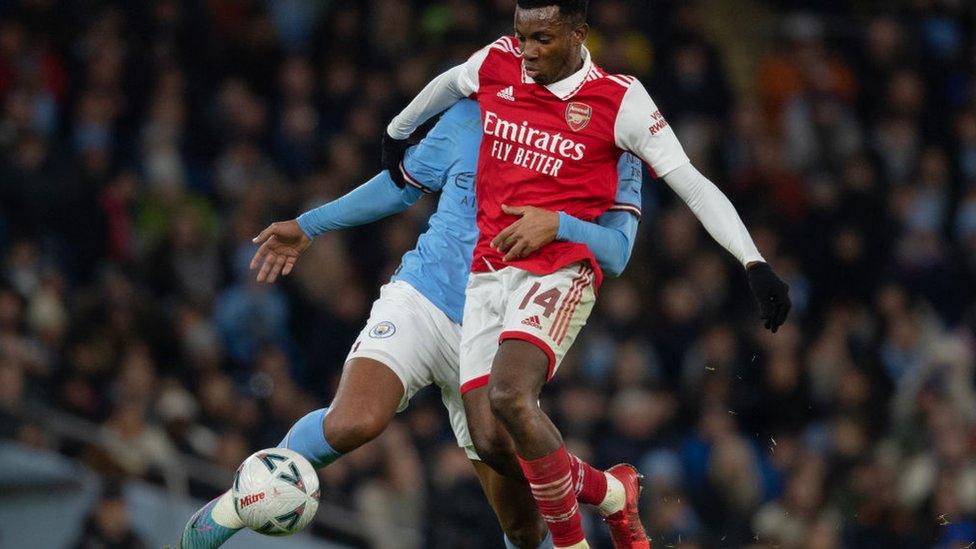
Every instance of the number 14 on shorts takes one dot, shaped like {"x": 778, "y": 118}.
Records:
{"x": 559, "y": 301}
{"x": 547, "y": 299}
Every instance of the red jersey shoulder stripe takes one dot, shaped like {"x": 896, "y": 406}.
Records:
{"x": 506, "y": 44}
{"x": 594, "y": 74}
{"x": 619, "y": 79}
{"x": 511, "y": 44}
{"x": 500, "y": 44}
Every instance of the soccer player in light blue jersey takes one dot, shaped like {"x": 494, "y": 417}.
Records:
{"x": 412, "y": 337}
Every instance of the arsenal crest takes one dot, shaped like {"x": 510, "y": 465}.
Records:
{"x": 578, "y": 115}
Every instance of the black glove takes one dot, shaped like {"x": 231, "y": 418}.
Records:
{"x": 392, "y": 156}
{"x": 771, "y": 293}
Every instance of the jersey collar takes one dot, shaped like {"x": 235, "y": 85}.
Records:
{"x": 567, "y": 87}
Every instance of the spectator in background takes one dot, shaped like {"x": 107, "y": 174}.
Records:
{"x": 108, "y": 525}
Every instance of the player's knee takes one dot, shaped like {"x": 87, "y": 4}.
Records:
{"x": 354, "y": 430}
{"x": 491, "y": 446}
{"x": 508, "y": 402}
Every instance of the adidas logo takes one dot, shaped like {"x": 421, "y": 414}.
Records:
{"x": 533, "y": 321}
{"x": 507, "y": 94}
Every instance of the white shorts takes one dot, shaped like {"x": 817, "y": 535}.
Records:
{"x": 545, "y": 310}
{"x": 419, "y": 343}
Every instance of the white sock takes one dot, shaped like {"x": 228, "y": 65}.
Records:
{"x": 224, "y": 514}
{"x": 616, "y": 497}
{"x": 580, "y": 545}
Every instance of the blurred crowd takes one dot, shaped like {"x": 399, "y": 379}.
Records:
{"x": 145, "y": 142}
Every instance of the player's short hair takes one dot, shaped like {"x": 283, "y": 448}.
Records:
{"x": 575, "y": 10}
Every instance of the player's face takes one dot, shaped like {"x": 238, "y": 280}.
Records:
{"x": 550, "y": 43}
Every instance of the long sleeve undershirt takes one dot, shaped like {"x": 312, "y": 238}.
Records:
{"x": 377, "y": 198}
{"x": 447, "y": 88}
{"x": 714, "y": 211}
{"x": 611, "y": 241}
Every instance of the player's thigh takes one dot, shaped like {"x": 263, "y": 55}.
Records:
{"x": 512, "y": 503}
{"x": 519, "y": 371}
{"x": 548, "y": 312}
{"x": 400, "y": 335}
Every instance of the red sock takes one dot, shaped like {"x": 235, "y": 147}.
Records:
{"x": 551, "y": 480}
{"x": 590, "y": 482}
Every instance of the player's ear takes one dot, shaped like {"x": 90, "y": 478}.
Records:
{"x": 580, "y": 33}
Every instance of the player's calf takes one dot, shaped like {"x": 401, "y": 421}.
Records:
{"x": 307, "y": 437}
{"x": 516, "y": 511}
{"x": 518, "y": 372}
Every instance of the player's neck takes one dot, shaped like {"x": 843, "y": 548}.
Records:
{"x": 571, "y": 67}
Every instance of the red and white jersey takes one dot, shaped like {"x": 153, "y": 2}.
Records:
{"x": 556, "y": 147}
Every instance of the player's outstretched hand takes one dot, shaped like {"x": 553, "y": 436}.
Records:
{"x": 281, "y": 245}
{"x": 534, "y": 229}
{"x": 771, "y": 293}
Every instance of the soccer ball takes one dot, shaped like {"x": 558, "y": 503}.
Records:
{"x": 276, "y": 492}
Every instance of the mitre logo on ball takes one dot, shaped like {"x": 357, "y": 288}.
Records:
{"x": 252, "y": 498}
{"x": 578, "y": 115}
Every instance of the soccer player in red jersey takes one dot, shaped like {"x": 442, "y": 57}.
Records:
{"x": 554, "y": 126}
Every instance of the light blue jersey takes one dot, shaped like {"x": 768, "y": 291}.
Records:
{"x": 445, "y": 161}
{"x": 439, "y": 266}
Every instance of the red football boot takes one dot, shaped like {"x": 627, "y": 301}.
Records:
{"x": 626, "y": 529}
